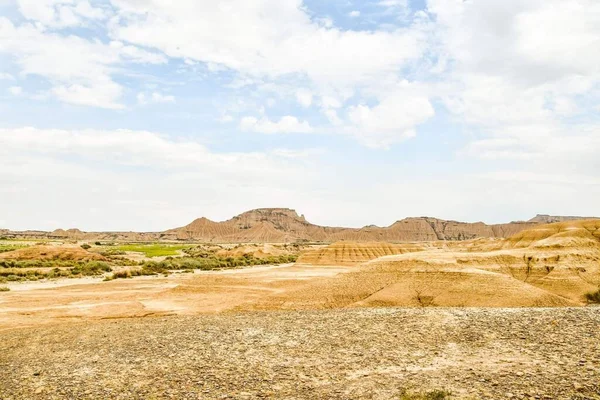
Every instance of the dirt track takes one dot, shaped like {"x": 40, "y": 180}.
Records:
{"x": 345, "y": 354}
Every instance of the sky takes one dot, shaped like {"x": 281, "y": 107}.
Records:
{"x": 146, "y": 114}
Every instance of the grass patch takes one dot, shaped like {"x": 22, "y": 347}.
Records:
{"x": 10, "y": 247}
{"x": 4, "y": 289}
{"x": 153, "y": 250}
{"x": 593, "y": 297}
{"x": 437, "y": 394}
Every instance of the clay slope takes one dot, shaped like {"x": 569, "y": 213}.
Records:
{"x": 201, "y": 228}
{"x": 353, "y": 253}
{"x": 551, "y": 265}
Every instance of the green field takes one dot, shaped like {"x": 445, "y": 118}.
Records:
{"x": 153, "y": 250}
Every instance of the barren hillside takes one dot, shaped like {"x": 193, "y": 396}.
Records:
{"x": 285, "y": 225}
{"x": 547, "y": 266}
{"x": 277, "y": 225}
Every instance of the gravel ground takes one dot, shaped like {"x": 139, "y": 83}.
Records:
{"x": 337, "y": 354}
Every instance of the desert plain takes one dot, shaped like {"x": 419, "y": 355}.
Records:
{"x": 471, "y": 312}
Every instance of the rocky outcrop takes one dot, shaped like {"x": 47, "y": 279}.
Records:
{"x": 285, "y": 225}
{"x": 277, "y": 225}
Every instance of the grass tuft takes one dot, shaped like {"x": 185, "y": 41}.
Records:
{"x": 437, "y": 394}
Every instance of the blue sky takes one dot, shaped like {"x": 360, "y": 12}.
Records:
{"x": 143, "y": 114}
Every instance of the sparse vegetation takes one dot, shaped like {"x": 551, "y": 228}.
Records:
{"x": 202, "y": 263}
{"x": 593, "y": 297}
{"x": 10, "y": 247}
{"x": 202, "y": 257}
{"x": 112, "y": 252}
{"x": 437, "y": 394}
{"x": 4, "y": 289}
{"x": 33, "y": 270}
{"x": 153, "y": 250}
{"x": 86, "y": 246}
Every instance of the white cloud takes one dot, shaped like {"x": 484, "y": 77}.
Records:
{"x": 287, "y": 124}
{"x": 392, "y": 120}
{"x": 6, "y": 76}
{"x": 60, "y": 13}
{"x": 15, "y": 90}
{"x": 268, "y": 37}
{"x": 123, "y": 147}
{"x": 129, "y": 175}
{"x": 354, "y": 13}
{"x": 80, "y": 70}
{"x": 304, "y": 97}
{"x": 517, "y": 71}
{"x": 102, "y": 94}
{"x": 154, "y": 97}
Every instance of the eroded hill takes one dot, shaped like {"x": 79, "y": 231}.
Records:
{"x": 548, "y": 266}
{"x": 284, "y": 225}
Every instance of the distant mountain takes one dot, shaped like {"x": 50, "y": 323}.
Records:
{"x": 549, "y": 219}
{"x": 285, "y": 225}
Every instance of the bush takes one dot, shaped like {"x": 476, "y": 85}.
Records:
{"x": 98, "y": 243}
{"x": 203, "y": 262}
{"x": 86, "y": 246}
{"x": 593, "y": 297}
{"x": 4, "y": 289}
{"x": 121, "y": 275}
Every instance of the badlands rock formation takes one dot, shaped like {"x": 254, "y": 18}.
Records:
{"x": 278, "y": 225}
{"x": 354, "y": 253}
{"x": 551, "y": 265}
{"x": 285, "y": 225}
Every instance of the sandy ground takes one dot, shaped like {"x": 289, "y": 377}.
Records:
{"x": 333, "y": 354}
{"x": 197, "y": 336}
{"x": 34, "y": 303}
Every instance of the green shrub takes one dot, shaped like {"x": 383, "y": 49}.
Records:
{"x": 202, "y": 262}
{"x": 11, "y": 247}
{"x": 593, "y": 297}
{"x": 86, "y": 246}
{"x": 4, "y": 289}
{"x": 121, "y": 275}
